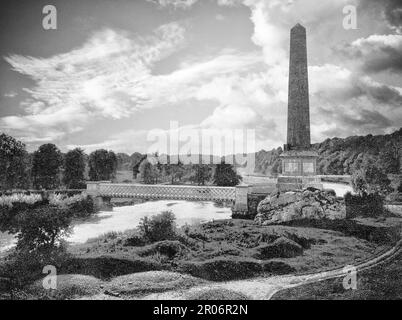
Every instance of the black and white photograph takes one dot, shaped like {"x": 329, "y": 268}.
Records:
{"x": 198, "y": 155}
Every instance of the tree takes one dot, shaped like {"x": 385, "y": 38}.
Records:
{"x": 37, "y": 226}
{"x": 74, "y": 169}
{"x": 148, "y": 173}
{"x": 201, "y": 173}
{"x": 102, "y": 165}
{"x": 225, "y": 175}
{"x": 47, "y": 162}
{"x": 177, "y": 171}
{"x": 370, "y": 180}
{"x": 389, "y": 157}
{"x": 13, "y": 163}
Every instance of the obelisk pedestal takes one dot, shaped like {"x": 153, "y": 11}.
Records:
{"x": 299, "y": 162}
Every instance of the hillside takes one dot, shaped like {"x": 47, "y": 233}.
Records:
{"x": 343, "y": 155}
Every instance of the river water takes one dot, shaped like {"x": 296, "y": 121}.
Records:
{"x": 128, "y": 217}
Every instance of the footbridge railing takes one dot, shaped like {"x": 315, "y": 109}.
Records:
{"x": 155, "y": 192}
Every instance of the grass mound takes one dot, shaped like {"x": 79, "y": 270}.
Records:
{"x": 69, "y": 286}
{"x": 280, "y": 248}
{"x": 277, "y": 267}
{"x": 151, "y": 282}
{"x": 167, "y": 248}
{"x": 220, "y": 269}
{"x": 108, "y": 266}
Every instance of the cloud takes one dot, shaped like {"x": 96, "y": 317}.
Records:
{"x": 376, "y": 53}
{"x": 177, "y": 4}
{"x": 113, "y": 76}
{"x": 10, "y": 94}
{"x": 344, "y": 103}
{"x": 391, "y": 11}
{"x": 101, "y": 79}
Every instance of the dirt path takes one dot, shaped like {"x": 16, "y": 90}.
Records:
{"x": 265, "y": 288}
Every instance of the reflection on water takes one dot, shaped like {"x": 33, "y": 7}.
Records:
{"x": 124, "y": 218}
{"x": 339, "y": 188}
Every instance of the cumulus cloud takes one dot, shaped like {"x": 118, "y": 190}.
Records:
{"x": 344, "y": 103}
{"x": 112, "y": 76}
{"x": 376, "y": 53}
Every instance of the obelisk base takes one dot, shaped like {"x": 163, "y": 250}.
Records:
{"x": 299, "y": 171}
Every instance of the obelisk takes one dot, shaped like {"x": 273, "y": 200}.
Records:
{"x": 299, "y": 161}
{"x": 298, "y": 100}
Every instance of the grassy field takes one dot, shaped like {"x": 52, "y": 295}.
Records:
{"x": 381, "y": 283}
{"x": 121, "y": 265}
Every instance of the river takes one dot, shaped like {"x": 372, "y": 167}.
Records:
{"x": 128, "y": 217}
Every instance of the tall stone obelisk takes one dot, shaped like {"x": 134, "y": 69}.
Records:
{"x": 299, "y": 162}
{"x": 298, "y": 100}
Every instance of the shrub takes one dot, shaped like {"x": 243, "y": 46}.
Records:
{"x": 78, "y": 205}
{"x": 159, "y": 227}
{"x": 24, "y": 266}
{"x": 9, "y": 200}
{"x": 366, "y": 205}
{"x": 37, "y": 226}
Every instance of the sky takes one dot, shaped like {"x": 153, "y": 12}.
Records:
{"x": 115, "y": 71}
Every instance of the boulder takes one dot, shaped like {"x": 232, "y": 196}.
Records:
{"x": 305, "y": 204}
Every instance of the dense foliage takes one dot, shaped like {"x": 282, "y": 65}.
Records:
{"x": 74, "y": 169}
{"x": 201, "y": 174}
{"x": 225, "y": 175}
{"x": 46, "y": 166}
{"x": 102, "y": 165}
{"x": 13, "y": 163}
{"x": 339, "y": 156}
{"x": 366, "y": 205}
{"x": 370, "y": 179}
{"x": 159, "y": 227}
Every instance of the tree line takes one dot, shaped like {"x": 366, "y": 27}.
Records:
{"x": 49, "y": 168}
{"x": 344, "y": 156}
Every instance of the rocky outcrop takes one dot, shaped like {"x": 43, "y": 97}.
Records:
{"x": 295, "y": 205}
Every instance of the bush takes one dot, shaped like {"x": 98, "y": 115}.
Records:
{"x": 37, "y": 226}
{"x": 82, "y": 208}
{"x": 366, "y": 205}
{"x": 159, "y": 227}
{"x": 24, "y": 266}
{"x": 79, "y": 206}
